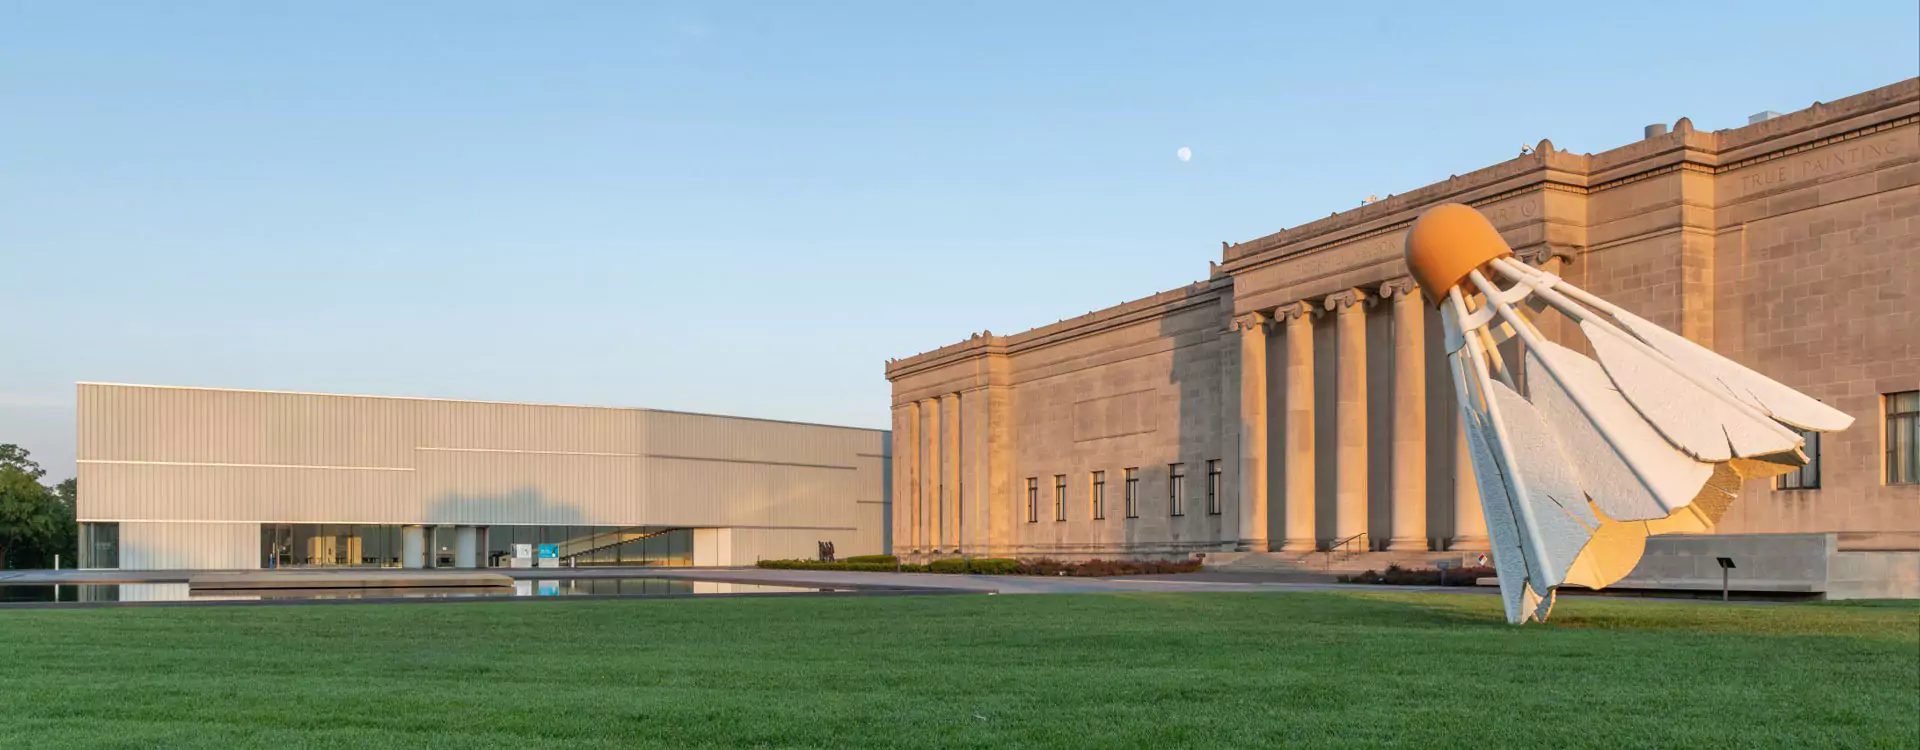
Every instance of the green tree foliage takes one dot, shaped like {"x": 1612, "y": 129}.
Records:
{"x": 36, "y": 521}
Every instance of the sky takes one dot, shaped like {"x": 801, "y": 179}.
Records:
{"x": 746, "y": 208}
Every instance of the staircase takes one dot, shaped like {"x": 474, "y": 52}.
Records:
{"x": 601, "y": 540}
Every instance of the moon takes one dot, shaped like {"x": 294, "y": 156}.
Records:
{"x": 1185, "y": 154}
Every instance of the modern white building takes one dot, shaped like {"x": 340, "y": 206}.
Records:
{"x": 205, "y": 478}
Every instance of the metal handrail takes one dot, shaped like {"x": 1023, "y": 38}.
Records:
{"x": 1344, "y": 546}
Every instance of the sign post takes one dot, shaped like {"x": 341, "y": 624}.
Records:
{"x": 1726, "y": 564}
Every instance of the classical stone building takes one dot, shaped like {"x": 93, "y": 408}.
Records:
{"x": 1297, "y": 399}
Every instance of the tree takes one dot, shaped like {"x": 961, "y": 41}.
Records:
{"x": 36, "y": 522}
{"x": 26, "y": 523}
{"x": 22, "y": 459}
{"x": 66, "y": 522}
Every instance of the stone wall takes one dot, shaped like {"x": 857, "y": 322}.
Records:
{"x": 1791, "y": 245}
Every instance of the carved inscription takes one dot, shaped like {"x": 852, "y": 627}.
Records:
{"x": 1509, "y": 213}
{"x": 1824, "y": 161}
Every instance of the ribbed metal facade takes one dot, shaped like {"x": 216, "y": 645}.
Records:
{"x": 209, "y": 456}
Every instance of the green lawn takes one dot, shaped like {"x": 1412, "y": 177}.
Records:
{"x": 1148, "y": 670}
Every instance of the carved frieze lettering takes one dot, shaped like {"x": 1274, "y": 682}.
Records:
{"x": 1823, "y": 161}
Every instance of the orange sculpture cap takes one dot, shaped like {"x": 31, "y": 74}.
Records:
{"x": 1446, "y": 243}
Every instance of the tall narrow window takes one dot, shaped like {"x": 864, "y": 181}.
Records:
{"x": 1132, "y": 492}
{"x": 1099, "y": 495}
{"x": 1033, "y": 499}
{"x": 1213, "y": 487}
{"x": 1903, "y": 437}
{"x": 99, "y": 545}
{"x": 1177, "y": 489}
{"x": 1059, "y": 497}
{"x": 1806, "y": 477}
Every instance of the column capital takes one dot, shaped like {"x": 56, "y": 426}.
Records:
{"x": 1405, "y": 287}
{"x": 1302, "y": 310}
{"x": 1345, "y": 300}
{"x": 1250, "y": 321}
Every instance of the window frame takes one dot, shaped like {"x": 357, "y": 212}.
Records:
{"x": 1806, "y": 477}
{"x": 1176, "y": 490}
{"x": 1214, "y": 486}
{"x": 1033, "y": 499}
{"x": 1132, "y": 488}
{"x": 1098, "y": 495}
{"x": 1059, "y": 497}
{"x": 1900, "y": 461}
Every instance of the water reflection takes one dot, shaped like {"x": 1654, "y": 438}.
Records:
{"x": 179, "y": 592}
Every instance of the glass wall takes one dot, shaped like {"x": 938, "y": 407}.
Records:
{"x": 312, "y": 545}
{"x": 596, "y": 545}
{"x": 330, "y": 545}
{"x": 99, "y": 545}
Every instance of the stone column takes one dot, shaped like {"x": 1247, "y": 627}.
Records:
{"x": 466, "y": 547}
{"x": 1350, "y": 425}
{"x": 906, "y": 421}
{"x": 929, "y": 539}
{"x": 413, "y": 547}
{"x": 1298, "y": 448}
{"x": 1409, "y": 416}
{"x": 1253, "y": 432}
{"x": 973, "y": 470}
{"x": 1469, "y": 518}
{"x": 950, "y": 472}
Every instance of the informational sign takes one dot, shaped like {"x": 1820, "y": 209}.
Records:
{"x": 523, "y": 550}
{"x": 549, "y": 556}
{"x": 522, "y": 556}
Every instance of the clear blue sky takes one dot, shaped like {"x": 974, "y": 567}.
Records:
{"x": 746, "y": 208}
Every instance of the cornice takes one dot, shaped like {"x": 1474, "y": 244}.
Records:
{"x": 1146, "y": 309}
{"x": 1546, "y": 169}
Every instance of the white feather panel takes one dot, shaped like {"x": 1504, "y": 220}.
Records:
{"x": 1550, "y": 509}
{"x": 1503, "y": 534}
{"x": 1692, "y": 418}
{"x": 1756, "y": 390}
{"x": 1624, "y": 465}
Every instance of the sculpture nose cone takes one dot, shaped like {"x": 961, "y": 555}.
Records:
{"x": 1446, "y": 243}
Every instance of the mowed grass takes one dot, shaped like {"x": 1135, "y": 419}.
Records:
{"x": 1148, "y": 670}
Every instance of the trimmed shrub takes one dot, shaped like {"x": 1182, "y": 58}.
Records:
{"x": 882, "y": 559}
{"x": 1106, "y": 568}
{"x": 1003, "y": 566}
{"x": 993, "y": 566}
{"x": 950, "y": 565}
{"x": 1398, "y": 576}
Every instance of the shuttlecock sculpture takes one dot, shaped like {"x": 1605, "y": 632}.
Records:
{"x": 1579, "y": 459}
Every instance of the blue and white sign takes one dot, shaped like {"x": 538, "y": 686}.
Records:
{"x": 549, "y": 551}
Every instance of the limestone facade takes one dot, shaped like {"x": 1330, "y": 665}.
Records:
{"x": 1299, "y": 397}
